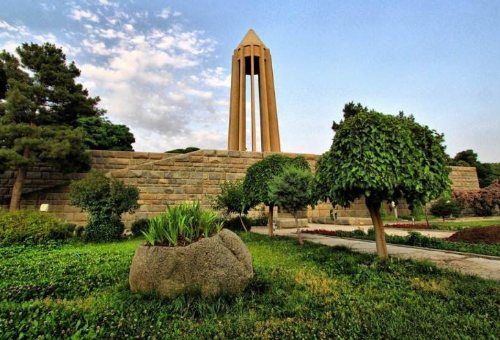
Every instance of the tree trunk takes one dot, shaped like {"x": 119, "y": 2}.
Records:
{"x": 374, "y": 209}
{"x": 299, "y": 234}
{"x": 426, "y": 216}
{"x": 242, "y": 223}
{"x": 17, "y": 189}
{"x": 270, "y": 220}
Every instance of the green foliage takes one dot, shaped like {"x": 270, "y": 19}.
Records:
{"x": 100, "y": 134}
{"x": 186, "y": 150}
{"x": 311, "y": 291}
{"x": 105, "y": 199}
{"x": 231, "y": 199}
{"x": 139, "y": 226}
{"x": 31, "y": 227}
{"x": 383, "y": 157}
{"x": 181, "y": 225}
{"x": 260, "y": 174}
{"x": 291, "y": 189}
{"x": 234, "y": 223}
{"x": 445, "y": 208}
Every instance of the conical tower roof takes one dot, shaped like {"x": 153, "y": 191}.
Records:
{"x": 251, "y": 38}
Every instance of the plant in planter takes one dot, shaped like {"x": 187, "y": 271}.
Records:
{"x": 187, "y": 252}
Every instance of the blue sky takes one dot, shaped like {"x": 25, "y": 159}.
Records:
{"x": 162, "y": 67}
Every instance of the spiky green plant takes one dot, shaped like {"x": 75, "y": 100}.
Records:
{"x": 181, "y": 225}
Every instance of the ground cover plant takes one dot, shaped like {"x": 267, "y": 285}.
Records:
{"x": 31, "y": 227}
{"x": 181, "y": 225}
{"x": 310, "y": 291}
{"x": 417, "y": 240}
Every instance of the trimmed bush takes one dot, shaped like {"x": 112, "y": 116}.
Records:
{"x": 105, "y": 199}
{"x": 139, "y": 226}
{"x": 445, "y": 208}
{"x": 31, "y": 227}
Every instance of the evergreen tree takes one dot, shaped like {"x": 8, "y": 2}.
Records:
{"x": 39, "y": 112}
{"x": 101, "y": 134}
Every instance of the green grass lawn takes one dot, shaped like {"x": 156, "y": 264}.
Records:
{"x": 307, "y": 291}
{"x": 458, "y": 225}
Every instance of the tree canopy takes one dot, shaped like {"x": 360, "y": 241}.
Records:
{"x": 291, "y": 190}
{"x": 382, "y": 158}
{"x": 259, "y": 176}
{"x": 100, "y": 134}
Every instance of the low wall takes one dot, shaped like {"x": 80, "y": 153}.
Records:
{"x": 173, "y": 178}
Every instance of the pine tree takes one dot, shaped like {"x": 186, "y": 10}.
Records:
{"x": 39, "y": 110}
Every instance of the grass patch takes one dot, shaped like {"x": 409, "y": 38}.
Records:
{"x": 308, "y": 291}
{"x": 459, "y": 225}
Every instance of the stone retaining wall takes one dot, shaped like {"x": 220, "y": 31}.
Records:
{"x": 173, "y": 178}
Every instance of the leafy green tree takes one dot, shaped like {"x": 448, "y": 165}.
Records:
{"x": 291, "y": 190}
{"x": 39, "y": 111}
{"x": 101, "y": 134}
{"x": 383, "y": 158}
{"x": 105, "y": 199}
{"x": 231, "y": 199}
{"x": 259, "y": 176}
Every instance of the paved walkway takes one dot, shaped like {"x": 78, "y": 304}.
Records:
{"x": 487, "y": 267}
{"x": 388, "y": 231}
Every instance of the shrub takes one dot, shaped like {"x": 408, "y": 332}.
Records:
{"x": 484, "y": 202}
{"x": 31, "y": 227}
{"x": 234, "y": 223}
{"x": 182, "y": 225}
{"x": 259, "y": 221}
{"x": 232, "y": 199}
{"x": 139, "y": 226}
{"x": 445, "y": 208}
{"x": 105, "y": 199}
{"x": 79, "y": 230}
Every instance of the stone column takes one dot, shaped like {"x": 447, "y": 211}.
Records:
{"x": 233, "y": 134}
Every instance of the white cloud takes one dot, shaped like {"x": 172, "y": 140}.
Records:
{"x": 217, "y": 77}
{"x": 153, "y": 77}
{"x": 79, "y": 14}
{"x": 165, "y": 13}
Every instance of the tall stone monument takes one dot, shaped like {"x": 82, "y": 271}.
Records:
{"x": 252, "y": 58}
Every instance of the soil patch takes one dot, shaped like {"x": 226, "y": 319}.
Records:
{"x": 489, "y": 235}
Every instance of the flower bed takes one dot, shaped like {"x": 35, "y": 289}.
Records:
{"x": 408, "y": 225}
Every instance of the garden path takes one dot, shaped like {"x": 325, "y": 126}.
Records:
{"x": 487, "y": 267}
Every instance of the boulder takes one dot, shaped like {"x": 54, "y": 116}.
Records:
{"x": 210, "y": 266}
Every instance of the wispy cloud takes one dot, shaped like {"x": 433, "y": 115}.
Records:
{"x": 151, "y": 72}
{"x": 81, "y": 14}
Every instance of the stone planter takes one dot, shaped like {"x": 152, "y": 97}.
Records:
{"x": 211, "y": 266}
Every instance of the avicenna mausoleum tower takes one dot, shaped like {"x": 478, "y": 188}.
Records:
{"x": 252, "y": 58}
